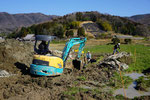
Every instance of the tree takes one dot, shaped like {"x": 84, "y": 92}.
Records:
{"x": 69, "y": 33}
{"x": 115, "y": 40}
{"x": 74, "y": 25}
{"x": 124, "y": 30}
{"x": 23, "y": 32}
{"x": 59, "y": 31}
{"x": 141, "y": 30}
{"x": 127, "y": 41}
{"x": 81, "y": 32}
{"x": 79, "y": 16}
{"x": 104, "y": 25}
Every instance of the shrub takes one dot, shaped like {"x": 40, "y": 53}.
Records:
{"x": 69, "y": 33}
{"x": 115, "y": 40}
{"x": 104, "y": 25}
{"x": 143, "y": 84}
{"x": 74, "y": 25}
{"x": 81, "y": 32}
{"x": 103, "y": 36}
{"x": 127, "y": 41}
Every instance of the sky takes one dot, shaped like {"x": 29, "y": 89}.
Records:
{"x": 63, "y": 7}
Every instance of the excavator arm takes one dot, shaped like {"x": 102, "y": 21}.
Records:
{"x": 69, "y": 44}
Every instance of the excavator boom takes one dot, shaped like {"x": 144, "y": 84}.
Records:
{"x": 70, "y": 43}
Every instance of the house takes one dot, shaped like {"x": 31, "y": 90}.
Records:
{"x": 1, "y": 39}
{"x": 29, "y": 37}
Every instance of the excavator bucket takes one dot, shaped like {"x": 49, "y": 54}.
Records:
{"x": 77, "y": 64}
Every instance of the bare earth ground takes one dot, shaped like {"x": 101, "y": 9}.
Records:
{"x": 86, "y": 84}
{"x": 16, "y": 57}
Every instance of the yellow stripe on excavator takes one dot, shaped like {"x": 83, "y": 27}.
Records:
{"x": 78, "y": 50}
{"x": 53, "y": 60}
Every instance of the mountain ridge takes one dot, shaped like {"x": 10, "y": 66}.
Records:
{"x": 10, "y": 22}
{"x": 141, "y": 18}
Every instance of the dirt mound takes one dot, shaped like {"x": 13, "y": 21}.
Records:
{"x": 71, "y": 84}
{"x": 15, "y": 55}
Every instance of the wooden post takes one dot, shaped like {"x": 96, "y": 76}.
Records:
{"x": 122, "y": 81}
{"x": 134, "y": 57}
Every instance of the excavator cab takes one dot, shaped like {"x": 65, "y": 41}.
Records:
{"x": 44, "y": 64}
{"x": 49, "y": 65}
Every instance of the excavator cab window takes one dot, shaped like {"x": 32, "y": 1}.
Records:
{"x": 42, "y": 47}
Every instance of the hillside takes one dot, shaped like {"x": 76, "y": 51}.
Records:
{"x": 143, "y": 19}
{"x": 10, "y": 22}
{"x": 68, "y": 25}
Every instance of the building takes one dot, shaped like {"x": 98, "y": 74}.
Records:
{"x": 29, "y": 37}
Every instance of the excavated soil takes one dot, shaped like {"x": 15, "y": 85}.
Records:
{"x": 16, "y": 57}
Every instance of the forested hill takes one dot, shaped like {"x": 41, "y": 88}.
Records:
{"x": 144, "y": 18}
{"x": 70, "y": 24}
{"x": 10, "y": 22}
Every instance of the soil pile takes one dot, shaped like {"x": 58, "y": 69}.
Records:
{"x": 15, "y": 55}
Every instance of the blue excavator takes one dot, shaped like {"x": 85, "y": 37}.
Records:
{"x": 49, "y": 65}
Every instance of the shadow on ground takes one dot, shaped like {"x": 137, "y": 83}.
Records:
{"x": 146, "y": 71}
{"x": 24, "y": 68}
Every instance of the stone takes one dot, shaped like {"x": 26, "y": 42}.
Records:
{"x": 112, "y": 61}
{"x": 4, "y": 73}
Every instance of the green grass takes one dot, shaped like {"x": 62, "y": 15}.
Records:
{"x": 81, "y": 78}
{"x": 115, "y": 82}
{"x": 139, "y": 52}
{"x": 74, "y": 90}
{"x": 143, "y": 83}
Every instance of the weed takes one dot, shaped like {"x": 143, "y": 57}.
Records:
{"x": 143, "y": 83}
{"x": 81, "y": 78}
{"x": 115, "y": 81}
{"x": 74, "y": 90}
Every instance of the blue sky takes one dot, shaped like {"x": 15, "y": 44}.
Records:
{"x": 62, "y": 7}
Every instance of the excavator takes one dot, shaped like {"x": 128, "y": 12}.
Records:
{"x": 49, "y": 65}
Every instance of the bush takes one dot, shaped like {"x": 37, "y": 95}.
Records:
{"x": 127, "y": 41}
{"x": 103, "y": 36}
{"x": 81, "y": 32}
{"x": 74, "y": 25}
{"x": 104, "y": 25}
{"x": 115, "y": 40}
{"x": 143, "y": 84}
{"x": 69, "y": 33}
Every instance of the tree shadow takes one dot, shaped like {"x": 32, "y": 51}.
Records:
{"x": 24, "y": 68}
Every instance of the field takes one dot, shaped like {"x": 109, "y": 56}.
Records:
{"x": 140, "y": 54}
{"x": 139, "y": 49}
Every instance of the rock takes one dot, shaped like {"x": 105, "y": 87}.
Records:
{"x": 56, "y": 53}
{"x": 4, "y": 73}
{"x": 113, "y": 62}
{"x": 124, "y": 66}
